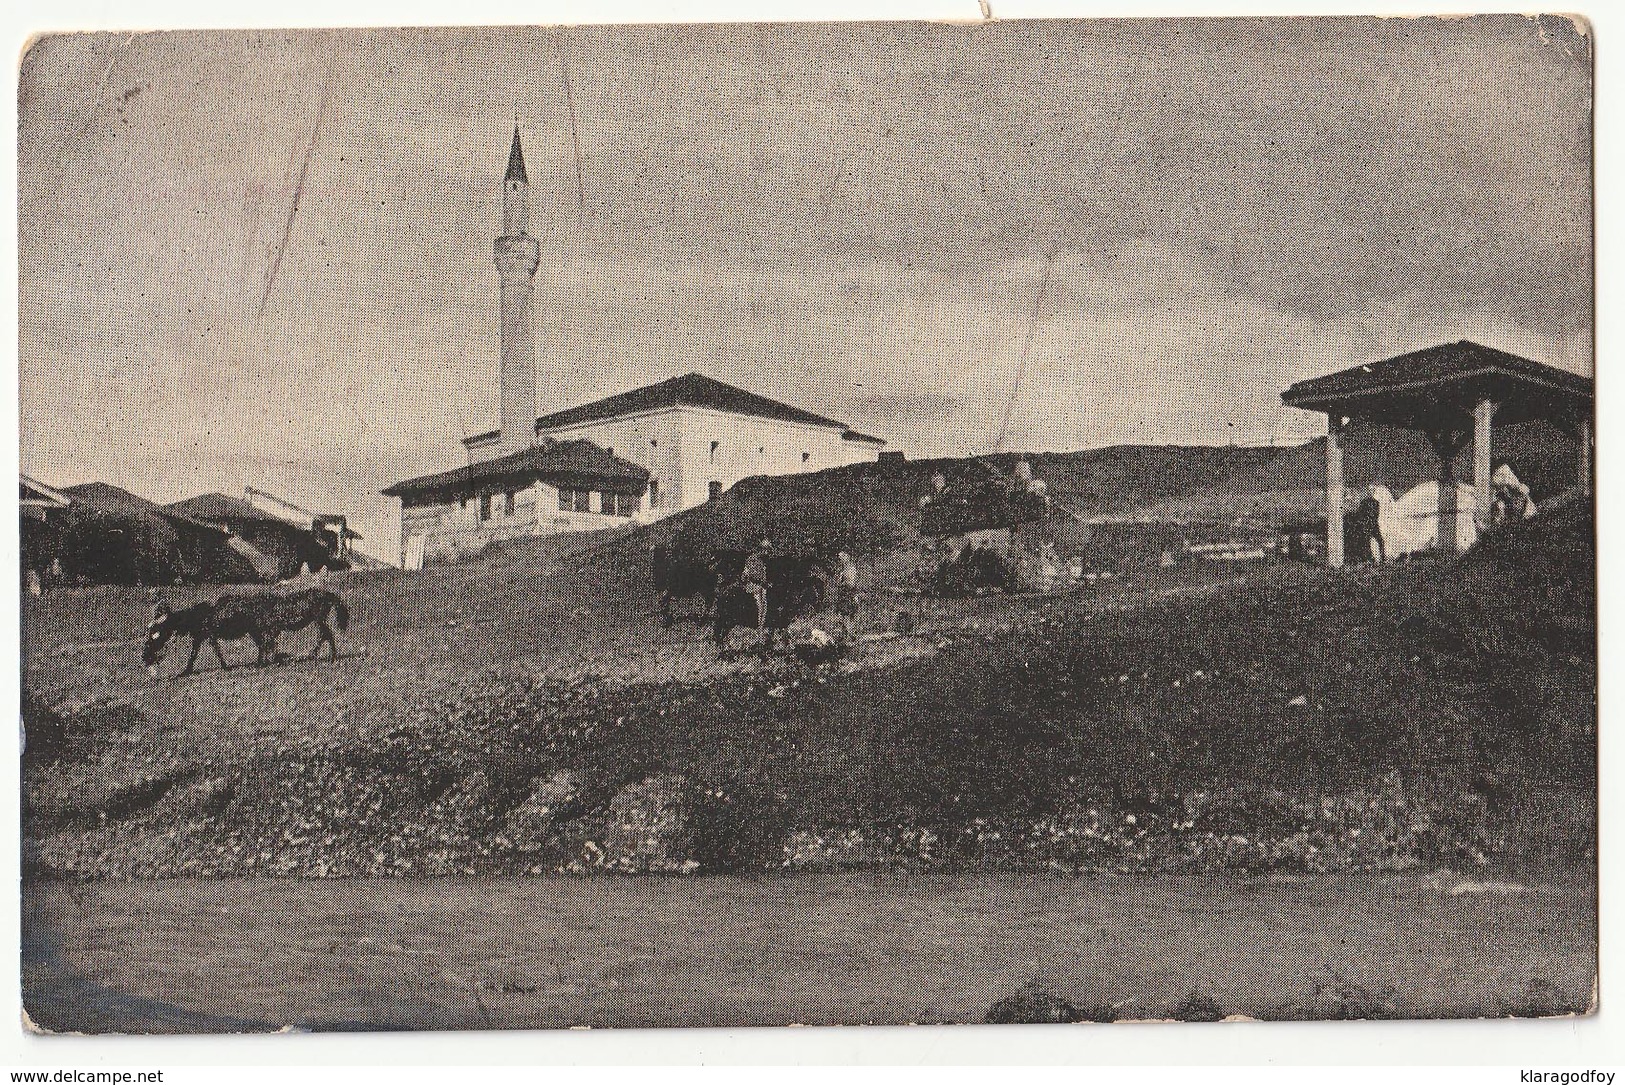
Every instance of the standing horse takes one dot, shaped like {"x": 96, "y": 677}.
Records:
{"x": 796, "y": 588}
{"x": 681, "y": 573}
{"x": 261, "y": 616}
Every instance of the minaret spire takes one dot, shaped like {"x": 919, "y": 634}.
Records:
{"x": 515, "y": 191}
{"x": 517, "y": 256}
{"x": 516, "y": 160}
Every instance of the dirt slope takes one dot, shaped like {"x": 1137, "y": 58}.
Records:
{"x": 1434, "y": 713}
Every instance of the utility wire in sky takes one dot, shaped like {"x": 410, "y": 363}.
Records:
{"x": 575, "y": 134}
{"x": 299, "y": 185}
{"x": 1026, "y": 347}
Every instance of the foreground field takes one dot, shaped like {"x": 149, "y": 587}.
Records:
{"x": 524, "y": 713}
{"x": 1179, "y": 792}
{"x": 564, "y": 609}
{"x": 1285, "y": 719}
{"x": 248, "y": 955}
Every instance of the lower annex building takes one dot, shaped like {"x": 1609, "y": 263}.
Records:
{"x": 638, "y": 455}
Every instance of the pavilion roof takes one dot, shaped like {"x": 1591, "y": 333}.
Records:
{"x": 1412, "y": 388}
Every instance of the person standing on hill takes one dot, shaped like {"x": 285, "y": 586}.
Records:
{"x": 753, "y": 578}
{"x": 1363, "y": 527}
{"x": 1029, "y": 488}
{"x": 1512, "y": 501}
{"x": 846, "y": 585}
{"x": 939, "y": 486}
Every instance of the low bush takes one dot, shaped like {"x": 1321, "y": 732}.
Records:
{"x": 1197, "y": 1007}
{"x": 1033, "y": 1005}
{"x": 1541, "y": 997}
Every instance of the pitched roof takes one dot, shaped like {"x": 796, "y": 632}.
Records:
{"x": 296, "y": 513}
{"x": 579, "y": 463}
{"x": 43, "y": 494}
{"x": 1444, "y": 364}
{"x": 219, "y": 507}
{"x": 516, "y": 162}
{"x": 108, "y": 498}
{"x": 689, "y": 390}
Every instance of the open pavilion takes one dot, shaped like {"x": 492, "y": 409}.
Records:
{"x": 1452, "y": 392}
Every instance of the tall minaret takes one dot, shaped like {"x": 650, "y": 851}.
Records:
{"x": 517, "y": 255}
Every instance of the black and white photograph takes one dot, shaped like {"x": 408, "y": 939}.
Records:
{"x": 1073, "y": 521}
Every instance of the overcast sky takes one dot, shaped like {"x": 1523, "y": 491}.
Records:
{"x": 1068, "y": 234}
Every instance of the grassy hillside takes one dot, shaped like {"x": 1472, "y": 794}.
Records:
{"x": 1290, "y": 483}
{"x": 870, "y": 508}
{"x": 525, "y": 713}
{"x": 874, "y": 508}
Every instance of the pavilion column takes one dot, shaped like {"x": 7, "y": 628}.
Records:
{"x": 1483, "y": 413}
{"x": 1446, "y": 443}
{"x": 1583, "y": 465}
{"x": 1334, "y": 491}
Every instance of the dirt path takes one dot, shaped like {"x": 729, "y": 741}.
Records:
{"x": 420, "y": 640}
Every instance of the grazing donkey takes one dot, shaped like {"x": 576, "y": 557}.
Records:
{"x": 261, "y": 616}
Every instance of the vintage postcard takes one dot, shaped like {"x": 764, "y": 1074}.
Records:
{"x": 726, "y": 525}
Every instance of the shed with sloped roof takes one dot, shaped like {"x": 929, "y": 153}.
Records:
{"x": 1454, "y": 393}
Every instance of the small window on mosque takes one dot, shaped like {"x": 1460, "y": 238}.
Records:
{"x": 567, "y": 500}
{"x": 654, "y": 493}
{"x": 507, "y": 503}
{"x": 714, "y": 446}
{"x": 715, "y": 490}
{"x": 583, "y": 500}
{"x": 805, "y": 456}
{"x": 485, "y": 506}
